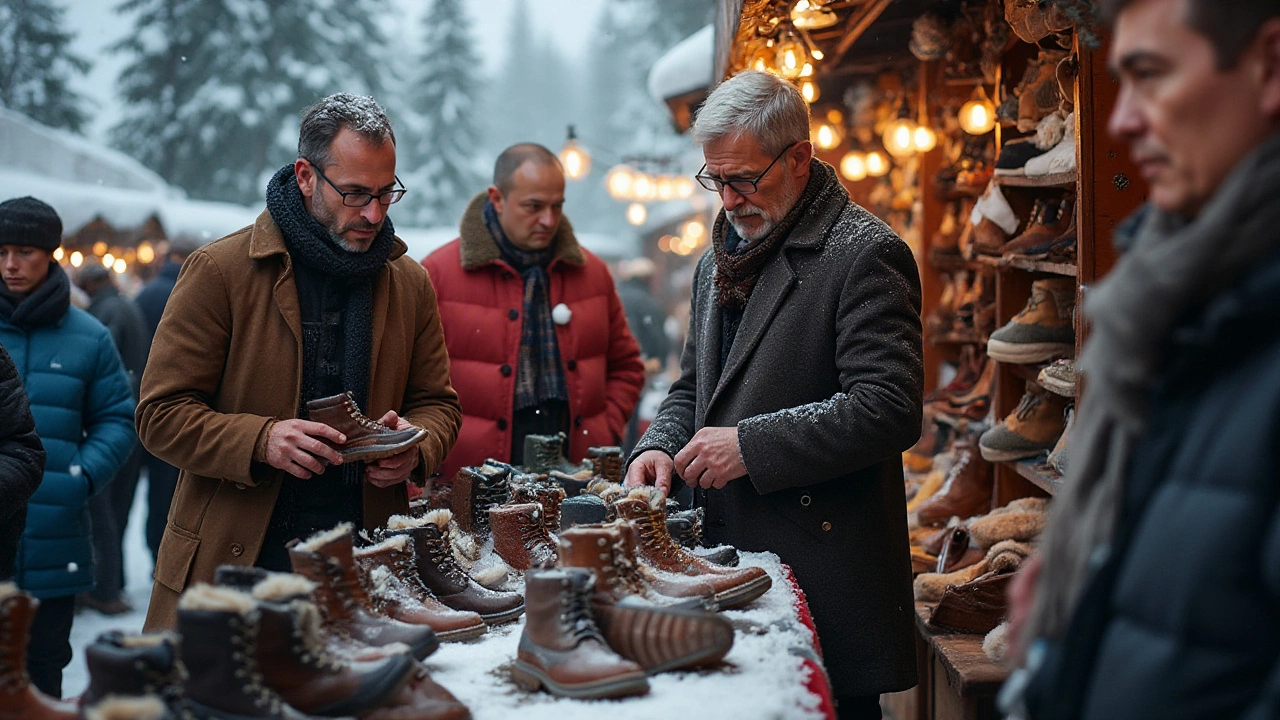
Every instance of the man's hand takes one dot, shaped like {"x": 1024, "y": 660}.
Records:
{"x": 395, "y": 469}
{"x": 651, "y": 467}
{"x": 295, "y": 446}
{"x": 711, "y": 459}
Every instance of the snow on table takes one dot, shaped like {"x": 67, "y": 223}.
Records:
{"x": 762, "y": 676}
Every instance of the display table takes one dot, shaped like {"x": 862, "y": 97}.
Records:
{"x": 773, "y": 671}
{"x": 957, "y": 679}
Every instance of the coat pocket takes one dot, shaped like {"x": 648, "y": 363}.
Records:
{"x": 177, "y": 552}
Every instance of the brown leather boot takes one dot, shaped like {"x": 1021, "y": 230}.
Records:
{"x": 135, "y": 666}
{"x": 1032, "y": 428}
{"x": 606, "y": 462}
{"x": 366, "y": 439}
{"x": 219, "y": 628}
{"x": 974, "y": 607}
{"x": 734, "y": 586}
{"x": 661, "y": 638}
{"x": 520, "y": 537}
{"x": 326, "y": 559}
{"x": 19, "y": 699}
{"x": 547, "y": 495}
{"x": 967, "y": 490}
{"x": 561, "y": 648}
{"x": 390, "y": 573}
{"x": 608, "y": 550}
{"x": 420, "y": 698}
{"x": 475, "y": 490}
{"x": 441, "y": 575}
{"x": 957, "y": 551}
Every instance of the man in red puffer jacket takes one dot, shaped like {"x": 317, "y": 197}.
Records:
{"x": 537, "y": 337}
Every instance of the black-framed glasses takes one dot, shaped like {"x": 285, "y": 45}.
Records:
{"x": 742, "y": 186}
{"x": 360, "y": 199}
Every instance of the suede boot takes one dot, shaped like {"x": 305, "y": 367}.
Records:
{"x": 520, "y": 536}
{"x": 390, "y": 572}
{"x": 1032, "y": 428}
{"x": 19, "y": 699}
{"x": 1043, "y": 330}
{"x": 546, "y": 494}
{"x": 367, "y": 439}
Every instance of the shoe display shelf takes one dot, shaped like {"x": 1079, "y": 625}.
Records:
{"x": 1054, "y": 180}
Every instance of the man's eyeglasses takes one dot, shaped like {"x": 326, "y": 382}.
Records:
{"x": 742, "y": 186}
{"x": 360, "y": 199}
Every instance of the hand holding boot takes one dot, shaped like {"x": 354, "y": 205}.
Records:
{"x": 651, "y": 467}
{"x": 395, "y": 469}
{"x": 296, "y": 447}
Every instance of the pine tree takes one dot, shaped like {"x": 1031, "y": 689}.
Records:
{"x": 215, "y": 86}
{"x": 533, "y": 99}
{"x": 36, "y": 65}
{"x": 442, "y": 145}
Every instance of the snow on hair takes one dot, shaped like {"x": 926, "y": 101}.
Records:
{"x": 758, "y": 104}
{"x": 321, "y": 123}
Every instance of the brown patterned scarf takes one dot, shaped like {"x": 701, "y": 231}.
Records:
{"x": 737, "y": 272}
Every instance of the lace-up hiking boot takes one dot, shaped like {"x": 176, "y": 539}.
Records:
{"x": 219, "y": 628}
{"x": 734, "y": 586}
{"x": 561, "y": 648}
{"x": 19, "y": 699}
{"x": 520, "y": 536}
{"x": 606, "y": 462}
{"x": 966, "y": 492}
{"x": 137, "y": 667}
{"x": 582, "y": 509}
{"x": 544, "y": 453}
{"x": 1032, "y": 428}
{"x": 367, "y": 439}
{"x": 296, "y": 662}
{"x": 1043, "y": 230}
{"x": 326, "y": 559}
{"x": 1043, "y": 330}
{"x": 390, "y": 572}
{"x": 685, "y": 526}
{"x": 547, "y": 495}
{"x": 662, "y": 638}
{"x": 440, "y": 573}
{"x": 609, "y": 551}
{"x": 475, "y": 490}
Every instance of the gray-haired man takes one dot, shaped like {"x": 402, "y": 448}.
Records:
{"x": 800, "y": 385}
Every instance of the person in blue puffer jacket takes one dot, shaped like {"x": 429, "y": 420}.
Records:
{"x": 83, "y": 408}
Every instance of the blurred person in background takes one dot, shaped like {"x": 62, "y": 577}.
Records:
{"x": 81, "y": 400}
{"x": 648, "y": 322}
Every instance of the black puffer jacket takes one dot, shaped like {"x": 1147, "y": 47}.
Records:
{"x": 1186, "y": 612}
{"x": 21, "y": 462}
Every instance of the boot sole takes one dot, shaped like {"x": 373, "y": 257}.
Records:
{"x": 1058, "y": 387}
{"x": 743, "y": 594}
{"x": 503, "y": 617}
{"x": 378, "y": 452}
{"x": 1027, "y": 353}
{"x": 462, "y": 634}
{"x": 531, "y": 678}
{"x": 997, "y": 455}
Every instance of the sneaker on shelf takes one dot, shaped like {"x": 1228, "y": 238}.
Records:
{"x": 1059, "y": 377}
{"x": 1060, "y": 159}
{"x": 1015, "y": 155}
{"x": 993, "y": 221}
{"x": 1032, "y": 428}
{"x": 1043, "y": 330}
{"x": 1048, "y": 222}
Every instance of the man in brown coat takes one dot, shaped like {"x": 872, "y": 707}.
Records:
{"x": 315, "y": 298}
{"x": 800, "y": 385}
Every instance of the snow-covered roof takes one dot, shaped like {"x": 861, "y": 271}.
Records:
{"x": 685, "y": 67}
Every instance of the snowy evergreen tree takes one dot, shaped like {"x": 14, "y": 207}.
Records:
{"x": 534, "y": 99}
{"x": 36, "y": 65}
{"x": 441, "y": 144}
{"x": 215, "y": 87}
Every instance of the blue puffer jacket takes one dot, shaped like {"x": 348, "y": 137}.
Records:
{"x": 83, "y": 408}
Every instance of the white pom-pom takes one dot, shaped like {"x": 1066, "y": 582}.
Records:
{"x": 561, "y": 314}
{"x": 72, "y": 567}
{"x": 74, "y": 470}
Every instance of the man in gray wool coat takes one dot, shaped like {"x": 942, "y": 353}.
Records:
{"x": 801, "y": 384}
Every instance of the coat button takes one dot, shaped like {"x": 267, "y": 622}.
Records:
{"x": 502, "y": 423}
{"x": 573, "y": 365}
{"x": 513, "y": 314}
{"x": 806, "y": 500}
{"x": 577, "y": 422}
{"x": 506, "y": 370}
{"x": 826, "y": 527}
{"x": 237, "y": 549}
{"x": 241, "y": 486}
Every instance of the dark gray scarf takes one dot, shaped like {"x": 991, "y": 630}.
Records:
{"x": 45, "y": 306}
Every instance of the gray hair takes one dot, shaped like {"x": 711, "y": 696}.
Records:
{"x": 758, "y": 104}
{"x": 321, "y": 123}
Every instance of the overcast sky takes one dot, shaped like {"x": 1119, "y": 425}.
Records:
{"x": 96, "y": 25}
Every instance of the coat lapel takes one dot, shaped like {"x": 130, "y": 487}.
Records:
{"x": 770, "y": 291}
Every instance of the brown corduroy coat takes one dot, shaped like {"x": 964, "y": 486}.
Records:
{"x": 227, "y": 360}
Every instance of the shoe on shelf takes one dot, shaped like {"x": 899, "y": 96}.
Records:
{"x": 1060, "y": 159}
{"x": 1015, "y": 155}
{"x": 993, "y": 221}
{"x": 966, "y": 492}
{"x": 1043, "y": 330}
{"x": 1032, "y": 428}
{"x": 1040, "y": 94}
{"x": 1059, "y": 377}
{"x": 1033, "y": 20}
{"x": 1058, "y": 457}
{"x": 1049, "y": 220}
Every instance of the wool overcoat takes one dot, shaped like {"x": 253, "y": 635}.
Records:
{"x": 227, "y": 360}
{"x": 824, "y": 384}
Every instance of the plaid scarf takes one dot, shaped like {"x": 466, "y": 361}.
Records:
{"x": 539, "y": 376}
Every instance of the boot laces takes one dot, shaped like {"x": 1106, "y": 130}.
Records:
{"x": 1028, "y": 405}
{"x": 653, "y": 531}
{"x": 244, "y": 643}
{"x": 354, "y": 411}
{"x": 440, "y": 555}
{"x": 577, "y": 616}
{"x": 625, "y": 568}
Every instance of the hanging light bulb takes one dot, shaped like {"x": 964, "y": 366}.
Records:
{"x": 978, "y": 116}
{"x": 762, "y": 58}
{"x": 574, "y": 158}
{"x": 107, "y": 260}
{"x": 643, "y": 187}
{"x": 812, "y": 15}
{"x": 636, "y": 213}
{"x": 924, "y": 139}
{"x": 620, "y": 182}
{"x": 58, "y": 254}
{"x": 877, "y": 164}
{"x": 119, "y": 266}
{"x": 826, "y": 136}
{"x": 146, "y": 253}
{"x": 790, "y": 54}
{"x": 899, "y": 135}
{"x": 809, "y": 90}
{"x": 685, "y": 187}
{"x": 806, "y": 70}
{"x": 853, "y": 166}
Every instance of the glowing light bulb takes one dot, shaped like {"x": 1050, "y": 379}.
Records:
{"x": 924, "y": 139}
{"x": 809, "y": 90}
{"x": 620, "y": 182}
{"x": 978, "y": 116}
{"x": 853, "y": 166}
{"x": 877, "y": 164}
{"x": 899, "y": 138}
{"x": 637, "y": 214}
{"x": 119, "y": 266}
{"x": 77, "y": 259}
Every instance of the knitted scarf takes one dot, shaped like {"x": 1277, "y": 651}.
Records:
{"x": 1173, "y": 267}
{"x": 737, "y": 269}
{"x": 46, "y": 305}
{"x": 310, "y": 244}
{"x": 539, "y": 376}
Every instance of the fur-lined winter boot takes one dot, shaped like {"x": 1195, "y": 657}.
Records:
{"x": 609, "y": 551}
{"x": 390, "y": 574}
{"x": 548, "y": 495}
{"x": 326, "y": 559}
{"x": 520, "y": 536}
{"x": 137, "y": 667}
{"x": 475, "y": 490}
{"x": 19, "y": 699}
{"x": 434, "y": 561}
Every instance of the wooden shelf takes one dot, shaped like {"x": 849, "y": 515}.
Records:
{"x": 968, "y": 668}
{"x": 1055, "y": 180}
{"x": 1042, "y": 476}
{"x": 958, "y": 338}
{"x": 1017, "y": 262}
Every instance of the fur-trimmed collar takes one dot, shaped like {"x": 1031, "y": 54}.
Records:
{"x": 479, "y": 248}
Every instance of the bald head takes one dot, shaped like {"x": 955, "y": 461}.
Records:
{"x": 513, "y": 157}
